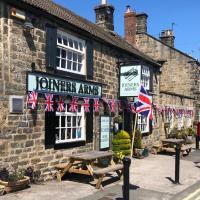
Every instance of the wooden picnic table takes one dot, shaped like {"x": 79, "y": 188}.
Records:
{"x": 86, "y": 163}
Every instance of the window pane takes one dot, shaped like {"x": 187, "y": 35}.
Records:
{"x": 73, "y": 133}
{"x": 63, "y": 53}
{"x": 69, "y": 55}
{"x": 68, "y": 121}
{"x": 63, "y": 62}
{"x": 69, "y": 133}
{"x": 79, "y": 120}
{"x": 62, "y": 121}
{"x": 62, "y": 134}
{"x": 74, "y": 121}
{"x": 59, "y": 40}
{"x": 80, "y": 58}
{"x": 79, "y": 133}
{"x": 75, "y": 44}
{"x": 75, "y": 56}
{"x": 79, "y": 67}
{"x": 70, "y": 42}
{"x": 69, "y": 64}
{"x": 65, "y": 41}
{"x": 74, "y": 66}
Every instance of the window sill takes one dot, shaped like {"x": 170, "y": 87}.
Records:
{"x": 69, "y": 145}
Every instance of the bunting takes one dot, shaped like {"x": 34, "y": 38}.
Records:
{"x": 73, "y": 105}
{"x": 49, "y": 102}
{"x": 112, "y": 105}
{"x": 32, "y": 99}
{"x": 86, "y": 105}
{"x": 96, "y": 105}
{"x": 60, "y": 107}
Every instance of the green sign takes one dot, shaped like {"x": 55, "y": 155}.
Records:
{"x": 48, "y": 83}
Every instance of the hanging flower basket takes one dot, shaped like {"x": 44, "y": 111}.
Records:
{"x": 15, "y": 185}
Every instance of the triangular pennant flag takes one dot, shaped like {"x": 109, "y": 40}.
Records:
{"x": 32, "y": 99}
{"x": 73, "y": 105}
{"x": 49, "y": 103}
{"x": 86, "y": 105}
{"x": 60, "y": 107}
{"x": 96, "y": 105}
{"x": 112, "y": 105}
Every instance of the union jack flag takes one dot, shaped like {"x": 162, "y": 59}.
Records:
{"x": 86, "y": 105}
{"x": 49, "y": 103}
{"x": 132, "y": 108}
{"x": 144, "y": 103}
{"x": 112, "y": 105}
{"x": 32, "y": 99}
{"x": 73, "y": 105}
{"x": 96, "y": 105}
{"x": 60, "y": 107}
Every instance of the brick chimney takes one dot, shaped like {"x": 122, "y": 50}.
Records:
{"x": 141, "y": 22}
{"x": 104, "y": 15}
{"x": 130, "y": 25}
{"x": 167, "y": 37}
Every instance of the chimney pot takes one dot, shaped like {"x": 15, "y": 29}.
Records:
{"x": 103, "y": 2}
{"x": 167, "y": 37}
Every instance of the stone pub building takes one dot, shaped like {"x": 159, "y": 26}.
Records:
{"x": 68, "y": 62}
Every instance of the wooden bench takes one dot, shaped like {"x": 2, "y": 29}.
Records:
{"x": 101, "y": 172}
{"x": 60, "y": 167}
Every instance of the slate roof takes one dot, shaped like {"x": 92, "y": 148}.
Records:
{"x": 65, "y": 14}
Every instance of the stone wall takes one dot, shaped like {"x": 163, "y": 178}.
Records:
{"x": 177, "y": 74}
{"x": 22, "y": 135}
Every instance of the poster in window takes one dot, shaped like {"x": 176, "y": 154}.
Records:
{"x": 130, "y": 80}
{"x": 105, "y": 132}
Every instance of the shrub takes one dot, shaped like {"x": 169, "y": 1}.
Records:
{"x": 191, "y": 131}
{"x": 138, "y": 140}
{"x": 122, "y": 143}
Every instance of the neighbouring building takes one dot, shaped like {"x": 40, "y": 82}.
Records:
{"x": 66, "y": 65}
{"x": 178, "y": 104}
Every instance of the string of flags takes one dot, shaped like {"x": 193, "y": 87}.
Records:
{"x": 57, "y": 103}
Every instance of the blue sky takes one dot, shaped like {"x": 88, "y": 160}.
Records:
{"x": 161, "y": 14}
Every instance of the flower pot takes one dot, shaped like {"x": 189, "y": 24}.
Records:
{"x": 140, "y": 153}
{"x": 189, "y": 139}
{"x": 16, "y": 185}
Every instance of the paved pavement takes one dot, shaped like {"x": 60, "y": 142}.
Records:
{"x": 150, "y": 178}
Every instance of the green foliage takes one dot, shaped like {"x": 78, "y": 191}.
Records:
{"x": 118, "y": 119}
{"x": 117, "y": 141}
{"x": 12, "y": 176}
{"x": 122, "y": 135}
{"x": 138, "y": 140}
{"x": 182, "y": 133}
{"x": 191, "y": 131}
{"x": 121, "y": 144}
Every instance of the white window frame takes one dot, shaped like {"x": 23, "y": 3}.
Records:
{"x": 67, "y": 48}
{"x": 67, "y": 115}
{"x": 146, "y": 77}
{"x": 143, "y": 121}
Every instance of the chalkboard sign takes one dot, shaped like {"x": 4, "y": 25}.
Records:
{"x": 104, "y": 133}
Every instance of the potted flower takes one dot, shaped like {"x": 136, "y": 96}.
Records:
{"x": 121, "y": 145}
{"x": 138, "y": 150}
{"x": 14, "y": 180}
{"x": 190, "y": 135}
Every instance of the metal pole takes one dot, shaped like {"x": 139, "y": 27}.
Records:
{"x": 177, "y": 163}
{"x": 126, "y": 162}
{"x": 197, "y": 142}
